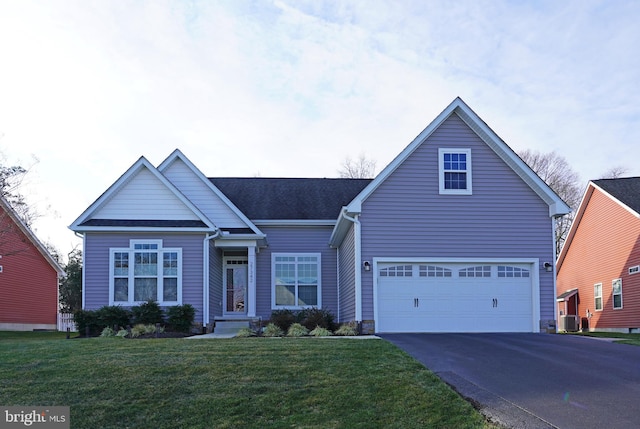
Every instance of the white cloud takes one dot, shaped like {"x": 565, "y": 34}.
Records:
{"x": 290, "y": 88}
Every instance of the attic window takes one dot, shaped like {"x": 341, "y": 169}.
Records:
{"x": 454, "y": 167}
{"x": 634, "y": 270}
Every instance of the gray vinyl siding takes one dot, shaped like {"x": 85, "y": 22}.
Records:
{"x": 96, "y": 265}
{"x": 296, "y": 240}
{"x": 347, "y": 278}
{"x": 215, "y": 281}
{"x": 504, "y": 218}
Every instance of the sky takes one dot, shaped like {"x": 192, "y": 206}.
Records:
{"x": 291, "y": 88}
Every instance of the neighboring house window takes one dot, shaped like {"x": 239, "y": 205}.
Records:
{"x": 455, "y": 171}
{"x": 597, "y": 294}
{"x": 616, "y": 291}
{"x": 145, "y": 271}
{"x": 296, "y": 280}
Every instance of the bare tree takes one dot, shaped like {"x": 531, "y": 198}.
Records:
{"x": 556, "y": 172}
{"x": 361, "y": 168}
{"x": 12, "y": 178}
{"x": 615, "y": 172}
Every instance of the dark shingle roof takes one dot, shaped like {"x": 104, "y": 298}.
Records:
{"x": 626, "y": 190}
{"x": 288, "y": 198}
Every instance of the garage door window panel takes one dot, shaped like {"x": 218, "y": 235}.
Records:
{"x": 512, "y": 272}
{"x": 479, "y": 271}
{"x": 397, "y": 271}
{"x": 434, "y": 271}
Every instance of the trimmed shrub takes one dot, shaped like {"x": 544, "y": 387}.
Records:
{"x": 122, "y": 333}
{"x": 272, "y": 330}
{"x": 319, "y": 331}
{"x": 347, "y": 329}
{"x": 114, "y": 315}
{"x": 181, "y": 317}
{"x": 87, "y": 319}
{"x": 148, "y": 313}
{"x": 311, "y": 318}
{"x": 283, "y": 319}
{"x": 246, "y": 333}
{"x": 297, "y": 330}
{"x": 107, "y": 332}
{"x": 141, "y": 329}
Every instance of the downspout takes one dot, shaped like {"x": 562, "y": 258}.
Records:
{"x": 555, "y": 256}
{"x": 205, "y": 280}
{"x": 338, "y": 280}
{"x": 84, "y": 249}
{"x": 357, "y": 257}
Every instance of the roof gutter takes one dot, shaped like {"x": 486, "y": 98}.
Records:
{"x": 357, "y": 257}
{"x": 205, "y": 279}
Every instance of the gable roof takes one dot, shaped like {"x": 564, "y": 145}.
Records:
{"x": 88, "y": 221}
{"x": 226, "y": 205}
{"x": 557, "y": 207}
{"x": 624, "y": 191}
{"x": 290, "y": 198}
{"x": 6, "y": 207}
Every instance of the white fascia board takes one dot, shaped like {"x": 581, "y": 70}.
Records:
{"x": 32, "y": 237}
{"x": 84, "y": 229}
{"x": 178, "y": 154}
{"x": 355, "y": 206}
{"x": 557, "y": 207}
{"x": 617, "y": 201}
{"x": 574, "y": 225}
{"x": 295, "y": 222}
{"x": 142, "y": 163}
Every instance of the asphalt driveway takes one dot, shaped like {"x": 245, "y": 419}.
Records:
{"x": 536, "y": 380}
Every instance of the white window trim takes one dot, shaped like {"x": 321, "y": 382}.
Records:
{"x": 613, "y": 301}
{"x": 595, "y": 306}
{"x": 273, "y": 281}
{"x": 131, "y": 251}
{"x": 441, "y": 171}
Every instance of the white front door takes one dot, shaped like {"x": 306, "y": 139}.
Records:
{"x": 235, "y": 284}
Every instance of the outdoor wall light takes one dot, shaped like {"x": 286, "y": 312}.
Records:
{"x": 548, "y": 267}
{"x": 366, "y": 265}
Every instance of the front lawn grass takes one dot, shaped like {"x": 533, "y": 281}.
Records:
{"x": 238, "y": 383}
{"x": 624, "y": 338}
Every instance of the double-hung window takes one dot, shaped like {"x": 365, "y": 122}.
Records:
{"x": 145, "y": 271}
{"x": 296, "y": 280}
{"x": 616, "y": 291}
{"x": 597, "y": 294}
{"x": 454, "y": 167}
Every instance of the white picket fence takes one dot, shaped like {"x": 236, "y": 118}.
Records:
{"x": 65, "y": 320}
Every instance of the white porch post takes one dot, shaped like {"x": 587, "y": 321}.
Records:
{"x": 251, "y": 286}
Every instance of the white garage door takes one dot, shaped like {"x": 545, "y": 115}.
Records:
{"x": 455, "y": 297}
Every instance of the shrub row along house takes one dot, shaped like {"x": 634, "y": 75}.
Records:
{"x": 28, "y": 276}
{"x": 599, "y": 265}
{"x": 454, "y": 235}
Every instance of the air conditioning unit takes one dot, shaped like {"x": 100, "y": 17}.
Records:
{"x": 569, "y": 323}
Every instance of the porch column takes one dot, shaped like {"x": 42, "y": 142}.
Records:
{"x": 251, "y": 286}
